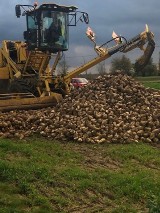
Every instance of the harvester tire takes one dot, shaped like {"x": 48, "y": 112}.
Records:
{"x": 22, "y": 86}
{"x": 4, "y": 85}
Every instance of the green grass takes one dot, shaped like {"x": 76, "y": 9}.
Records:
{"x": 37, "y": 175}
{"x": 151, "y": 81}
{"x": 154, "y": 85}
{"x": 149, "y": 78}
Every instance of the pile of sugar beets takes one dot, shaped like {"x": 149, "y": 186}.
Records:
{"x": 111, "y": 109}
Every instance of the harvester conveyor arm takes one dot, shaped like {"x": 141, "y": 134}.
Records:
{"x": 137, "y": 41}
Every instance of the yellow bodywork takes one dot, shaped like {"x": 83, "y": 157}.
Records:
{"x": 17, "y": 102}
{"x": 4, "y": 73}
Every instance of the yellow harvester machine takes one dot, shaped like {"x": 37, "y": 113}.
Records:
{"x": 26, "y": 79}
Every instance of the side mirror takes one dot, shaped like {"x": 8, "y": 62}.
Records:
{"x": 18, "y": 10}
{"x": 86, "y": 18}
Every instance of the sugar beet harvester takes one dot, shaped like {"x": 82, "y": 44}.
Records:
{"x": 26, "y": 79}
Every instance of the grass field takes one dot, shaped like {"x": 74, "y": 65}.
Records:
{"x": 43, "y": 176}
{"x": 154, "y": 85}
{"x": 149, "y": 78}
{"x": 37, "y": 175}
{"x": 153, "y": 81}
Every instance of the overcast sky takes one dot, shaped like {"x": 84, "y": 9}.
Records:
{"x": 125, "y": 17}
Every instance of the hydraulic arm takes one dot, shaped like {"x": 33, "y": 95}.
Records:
{"x": 138, "y": 41}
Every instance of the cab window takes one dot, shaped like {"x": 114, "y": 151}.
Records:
{"x": 54, "y": 29}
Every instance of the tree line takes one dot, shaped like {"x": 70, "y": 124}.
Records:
{"x": 124, "y": 64}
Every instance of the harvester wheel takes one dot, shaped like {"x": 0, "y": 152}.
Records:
{"x": 22, "y": 86}
{"x": 4, "y": 85}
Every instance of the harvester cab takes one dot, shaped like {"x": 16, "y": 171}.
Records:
{"x": 48, "y": 25}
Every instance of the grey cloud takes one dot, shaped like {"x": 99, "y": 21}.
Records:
{"x": 126, "y": 17}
